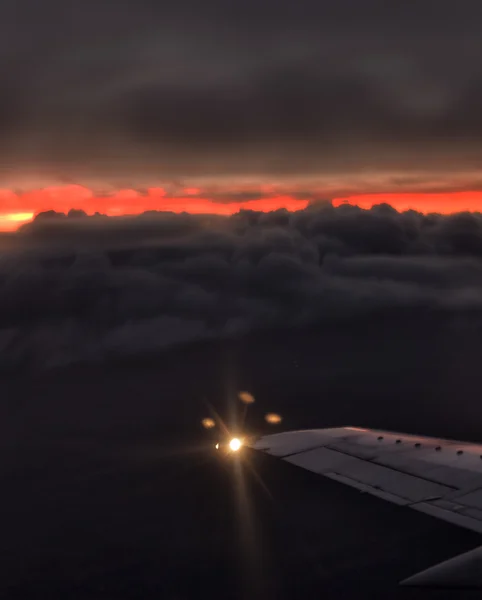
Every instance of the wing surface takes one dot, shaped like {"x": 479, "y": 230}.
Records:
{"x": 442, "y": 478}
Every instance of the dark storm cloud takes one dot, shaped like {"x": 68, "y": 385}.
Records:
{"x": 89, "y": 288}
{"x": 187, "y": 88}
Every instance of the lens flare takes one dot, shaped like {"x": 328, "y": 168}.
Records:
{"x": 273, "y": 418}
{"x": 246, "y": 397}
{"x": 235, "y": 444}
{"x": 208, "y": 423}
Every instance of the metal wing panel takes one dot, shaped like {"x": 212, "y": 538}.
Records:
{"x": 453, "y": 464}
{"x": 472, "y": 499}
{"x": 322, "y": 460}
{"x": 442, "y": 478}
{"x": 450, "y": 516}
{"x": 357, "y": 471}
{"x": 367, "y": 489}
{"x": 283, "y": 444}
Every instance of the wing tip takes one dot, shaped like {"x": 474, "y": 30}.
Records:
{"x": 461, "y": 571}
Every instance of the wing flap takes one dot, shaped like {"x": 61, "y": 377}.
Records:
{"x": 368, "y": 489}
{"x": 455, "y": 517}
{"x": 407, "y": 488}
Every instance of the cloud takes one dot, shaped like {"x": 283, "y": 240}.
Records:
{"x": 176, "y": 89}
{"x": 78, "y": 288}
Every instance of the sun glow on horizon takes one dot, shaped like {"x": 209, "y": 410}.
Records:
{"x": 11, "y": 221}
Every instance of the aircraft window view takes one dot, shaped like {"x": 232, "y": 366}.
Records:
{"x": 240, "y": 299}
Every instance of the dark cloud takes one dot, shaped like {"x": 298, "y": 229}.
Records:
{"x": 172, "y": 89}
{"x": 88, "y": 288}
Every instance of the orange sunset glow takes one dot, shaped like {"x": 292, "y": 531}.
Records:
{"x": 17, "y": 209}
{"x": 444, "y": 203}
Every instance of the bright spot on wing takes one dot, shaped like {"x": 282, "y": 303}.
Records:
{"x": 235, "y": 444}
{"x": 273, "y": 418}
{"x": 246, "y": 397}
{"x": 208, "y": 423}
{"x": 217, "y": 446}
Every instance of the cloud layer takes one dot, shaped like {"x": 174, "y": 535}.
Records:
{"x": 148, "y": 91}
{"x": 76, "y": 288}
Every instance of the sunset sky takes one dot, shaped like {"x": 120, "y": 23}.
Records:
{"x": 20, "y": 208}
{"x": 215, "y": 106}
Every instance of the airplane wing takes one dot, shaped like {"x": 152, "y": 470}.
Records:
{"x": 442, "y": 478}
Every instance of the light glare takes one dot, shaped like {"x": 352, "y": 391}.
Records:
{"x": 235, "y": 444}
{"x": 246, "y": 397}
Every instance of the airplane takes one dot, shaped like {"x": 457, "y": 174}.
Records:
{"x": 438, "y": 477}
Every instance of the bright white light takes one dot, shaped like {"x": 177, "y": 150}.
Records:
{"x": 217, "y": 446}
{"x": 235, "y": 444}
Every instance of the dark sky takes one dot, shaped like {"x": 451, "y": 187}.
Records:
{"x": 144, "y": 91}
